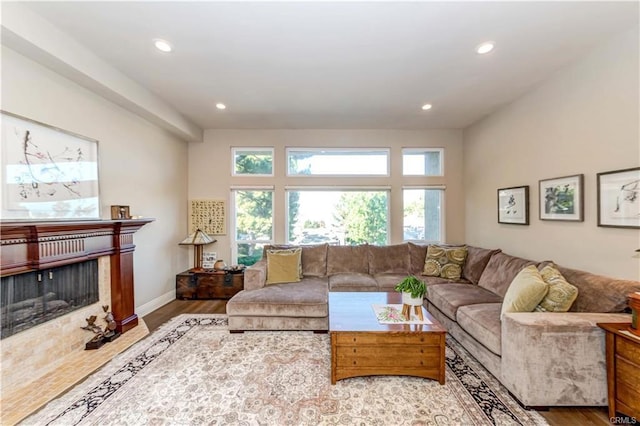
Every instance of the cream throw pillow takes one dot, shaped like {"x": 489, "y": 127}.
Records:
{"x": 445, "y": 262}
{"x": 561, "y": 293}
{"x": 525, "y": 291}
{"x": 284, "y": 266}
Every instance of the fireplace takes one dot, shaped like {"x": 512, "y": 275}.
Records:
{"x": 33, "y": 298}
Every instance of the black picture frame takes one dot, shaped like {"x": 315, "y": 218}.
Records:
{"x": 619, "y": 198}
{"x": 513, "y": 205}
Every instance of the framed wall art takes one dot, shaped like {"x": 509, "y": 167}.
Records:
{"x": 513, "y": 205}
{"x": 47, "y": 173}
{"x": 208, "y": 215}
{"x": 562, "y": 198}
{"x": 619, "y": 198}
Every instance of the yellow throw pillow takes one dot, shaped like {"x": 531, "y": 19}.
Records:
{"x": 445, "y": 262}
{"x": 284, "y": 266}
{"x": 561, "y": 293}
{"x": 525, "y": 291}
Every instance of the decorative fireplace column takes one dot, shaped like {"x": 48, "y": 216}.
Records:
{"x": 31, "y": 246}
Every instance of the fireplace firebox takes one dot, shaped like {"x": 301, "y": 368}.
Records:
{"x": 32, "y": 298}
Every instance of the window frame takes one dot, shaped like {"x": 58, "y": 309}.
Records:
{"x": 417, "y": 150}
{"x": 385, "y": 151}
{"x": 344, "y": 188}
{"x": 236, "y": 149}
{"x": 442, "y": 189}
{"x": 234, "y": 242}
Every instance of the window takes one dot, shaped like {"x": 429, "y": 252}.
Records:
{"x": 345, "y": 217}
{"x": 337, "y": 162}
{"x": 253, "y": 224}
{"x": 423, "y": 214}
{"x": 252, "y": 161}
{"x": 422, "y": 162}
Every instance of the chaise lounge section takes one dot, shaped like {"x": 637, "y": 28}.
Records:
{"x": 543, "y": 358}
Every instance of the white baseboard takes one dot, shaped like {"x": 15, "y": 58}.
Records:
{"x": 155, "y": 303}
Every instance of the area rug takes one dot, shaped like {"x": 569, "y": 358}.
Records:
{"x": 192, "y": 371}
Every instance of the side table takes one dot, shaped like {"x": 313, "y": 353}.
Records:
{"x": 623, "y": 370}
{"x": 208, "y": 284}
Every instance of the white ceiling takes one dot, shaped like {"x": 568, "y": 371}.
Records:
{"x": 339, "y": 64}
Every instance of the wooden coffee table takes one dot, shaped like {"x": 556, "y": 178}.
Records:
{"x": 361, "y": 346}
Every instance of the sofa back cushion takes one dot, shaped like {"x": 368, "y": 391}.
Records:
{"x": 392, "y": 259}
{"x": 597, "y": 293}
{"x": 500, "y": 272}
{"x": 341, "y": 259}
{"x": 417, "y": 255}
{"x": 477, "y": 259}
{"x": 314, "y": 260}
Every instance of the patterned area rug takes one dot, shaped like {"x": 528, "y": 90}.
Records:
{"x": 192, "y": 371}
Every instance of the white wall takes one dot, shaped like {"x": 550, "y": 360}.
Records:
{"x": 210, "y": 170}
{"x": 585, "y": 119}
{"x": 141, "y": 165}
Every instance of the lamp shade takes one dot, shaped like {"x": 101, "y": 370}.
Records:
{"x": 198, "y": 238}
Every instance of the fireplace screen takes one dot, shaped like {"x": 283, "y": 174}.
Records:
{"x": 36, "y": 297}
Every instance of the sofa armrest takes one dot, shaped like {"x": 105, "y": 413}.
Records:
{"x": 556, "y": 359}
{"x": 255, "y": 276}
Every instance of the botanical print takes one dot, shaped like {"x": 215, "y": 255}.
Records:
{"x": 392, "y": 314}
{"x": 619, "y": 198}
{"x": 47, "y": 173}
{"x": 561, "y": 198}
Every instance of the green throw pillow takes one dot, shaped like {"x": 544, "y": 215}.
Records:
{"x": 561, "y": 293}
{"x": 445, "y": 262}
{"x": 525, "y": 291}
{"x": 284, "y": 266}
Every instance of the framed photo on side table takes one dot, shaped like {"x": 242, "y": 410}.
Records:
{"x": 513, "y": 205}
{"x": 562, "y": 198}
{"x": 619, "y": 198}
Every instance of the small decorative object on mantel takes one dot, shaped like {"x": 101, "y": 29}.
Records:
{"x": 634, "y": 304}
{"x": 120, "y": 212}
{"x": 413, "y": 291}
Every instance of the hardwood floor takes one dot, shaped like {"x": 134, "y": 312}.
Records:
{"x": 562, "y": 416}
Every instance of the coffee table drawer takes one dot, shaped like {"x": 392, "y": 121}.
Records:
{"x": 368, "y": 338}
{"x": 388, "y": 356}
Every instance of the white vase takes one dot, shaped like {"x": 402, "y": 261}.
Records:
{"x": 411, "y": 301}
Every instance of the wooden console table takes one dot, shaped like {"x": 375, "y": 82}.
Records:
{"x": 30, "y": 246}
{"x": 623, "y": 370}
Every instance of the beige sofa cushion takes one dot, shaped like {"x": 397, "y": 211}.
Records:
{"x": 352, "y": 282}
{"x": 392, "y": 259}
{"x": 341, "y": 259}
{"x": 482, "y": 321}
{"x": 449, "y": 297}
{"x": 417, "y": 255}
{"x": 314, "y": 260}
{"x": 525, "y": 292}
{"x": 500, "y": 272}
{"x": 477, "y": 259}
{"x": 308, "y": 298}
{"x": 388, "y": 282}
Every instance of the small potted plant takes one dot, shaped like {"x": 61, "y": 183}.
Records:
{"x": 413, "y": 290}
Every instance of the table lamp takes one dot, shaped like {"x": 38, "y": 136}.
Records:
{"x": 197, "y": 240}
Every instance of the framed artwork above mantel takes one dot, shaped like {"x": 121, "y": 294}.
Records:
{"x": 48, "y": 173}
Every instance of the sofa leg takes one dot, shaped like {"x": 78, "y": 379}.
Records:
{"x": 236, "y": 331}
{"x": 320, "y": 331}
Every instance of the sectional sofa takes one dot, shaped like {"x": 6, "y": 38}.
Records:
{"x": 542, "y": 358}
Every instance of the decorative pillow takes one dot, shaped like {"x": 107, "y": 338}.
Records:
{"x": 445, "y": 262}
{"x": 525, "y": 292}
{"x": 284, "y": 266}
{"x": 561, "y": 293}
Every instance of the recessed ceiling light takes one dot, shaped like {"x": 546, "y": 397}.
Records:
{"x": 427, "y": 106}
{"x": 163, "y": 45}
{"x": 221, "y": 106}
{"x": 485, "y": 47}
